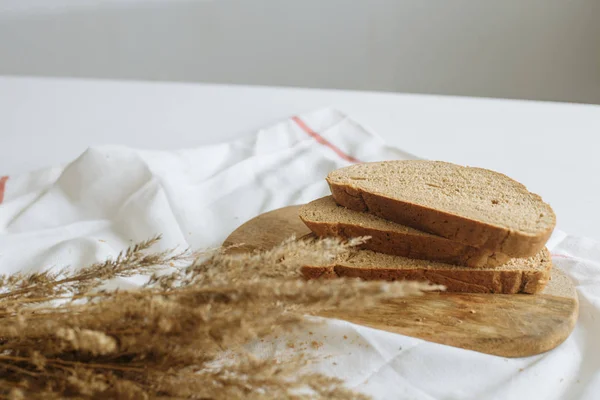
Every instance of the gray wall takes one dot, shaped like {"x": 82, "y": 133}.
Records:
{"x": 534, "y": 49}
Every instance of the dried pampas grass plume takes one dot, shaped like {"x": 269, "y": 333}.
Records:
{"x": 61, "y": 337}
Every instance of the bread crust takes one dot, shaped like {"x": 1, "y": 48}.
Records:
{"x": 462, "y": 280}
{"x": 453, "y": 227}
{"x": 405, "y": 244}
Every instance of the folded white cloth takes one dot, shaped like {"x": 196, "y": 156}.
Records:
{"x": 110, "y": 197}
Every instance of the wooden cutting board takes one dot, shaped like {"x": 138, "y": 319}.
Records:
{"x": 515, "y": 325}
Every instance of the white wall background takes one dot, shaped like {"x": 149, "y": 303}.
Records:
{"x": 534, "y": 49}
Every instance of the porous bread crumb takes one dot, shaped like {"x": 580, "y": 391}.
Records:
{"x": 476, "y": 193}
{"x": 473, "y": 206}
{"x": 326, "y": 218}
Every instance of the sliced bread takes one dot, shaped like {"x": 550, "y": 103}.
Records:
{"x": 473, "y": 206}
{"x": 525, "y": 275}
{"x": 326, "y": 218}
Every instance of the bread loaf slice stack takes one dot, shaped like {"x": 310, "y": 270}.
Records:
{"x": 470, "y": 229}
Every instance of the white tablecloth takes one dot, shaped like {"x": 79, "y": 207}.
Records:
{"x": 109, "y": 197}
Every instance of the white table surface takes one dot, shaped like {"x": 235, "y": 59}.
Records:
{"x": 550, "y": 147}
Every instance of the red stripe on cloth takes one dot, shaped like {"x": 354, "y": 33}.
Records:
{"x": 320, "y": 139}
{"x": 3, "y": 180}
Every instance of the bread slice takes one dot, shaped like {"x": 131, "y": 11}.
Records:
{"x": 326, "y": 218}
{"x": 473, "y": 206}
{"x": 524, "y": 275}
